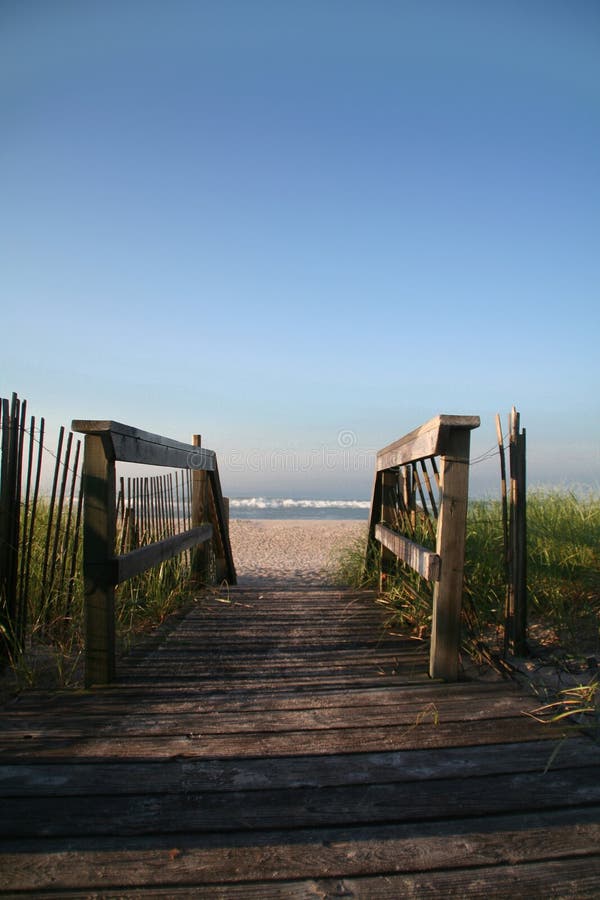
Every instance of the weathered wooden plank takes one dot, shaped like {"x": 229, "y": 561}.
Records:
{"x": 565, "y": 878}
{"x": 379, "y": 738}
{"x": 143, "y": 558}
{"x": 200, "y": 514}
{"x": 325, "y": 853}
{"x": 99, "y": 528}
{"x": 222, "y": 722}
{"x": 375, "y": 510}
{"x": 133, "y": 445}
{"x": 557, "y": 879}
{"x": 88, "y": 778}
{"x": 127, "y": 698}
{"x": 229, "y": 572}
{"x": 277, "y": 677}
{"x": 348, "y": 655}
{"x": 427, "y": 440}
{"x": 294, "y": 653}
{"x": 450, "y": 547}
{"x": 275, "y": 765}
{"x": 301, "y": 684}
{"x": 423, "y": 561}
{"x": 149, "y": 813}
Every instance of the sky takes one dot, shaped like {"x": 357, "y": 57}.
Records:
{"x": 302, "y": 229}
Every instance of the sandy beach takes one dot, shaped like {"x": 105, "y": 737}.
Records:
{"x": 289, "y": 551}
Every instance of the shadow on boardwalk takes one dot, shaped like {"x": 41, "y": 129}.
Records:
{"x": 282, "y": 744}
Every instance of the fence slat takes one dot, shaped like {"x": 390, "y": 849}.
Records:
{"x": 200, "y": 514}
{"x": 34, "y": 505}
{"x": 67, "y": 532}
{"x": 61, "y": 499}
{"x": 516, "y": 605}
{"x": 9, "y": 515}
{"x": 74, "y": 553}
{"x": 44, "y": 587}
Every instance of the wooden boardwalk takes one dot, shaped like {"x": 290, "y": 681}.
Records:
{"x": 281, "y": 744}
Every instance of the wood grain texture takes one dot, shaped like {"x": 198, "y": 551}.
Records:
{"x": 133, "y": 445}
{"x": 143, "y": 558}
{"x": 427, "y": 440}
{"x": 288, "y": 744}
{"x": 99, "y": 530}
{"x": 450, "y": 547}
{"x": 423, "y": 561}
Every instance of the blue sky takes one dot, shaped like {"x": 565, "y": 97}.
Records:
{"x": 304, "y": 228}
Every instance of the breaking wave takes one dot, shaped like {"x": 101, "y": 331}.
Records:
{"x": 289, "y": 503}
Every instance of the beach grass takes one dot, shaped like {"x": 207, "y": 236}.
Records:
{"x": 52, "y": 652}
{"x": 563, "y": 566}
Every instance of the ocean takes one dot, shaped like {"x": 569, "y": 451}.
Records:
{"x": 289, "y": 508}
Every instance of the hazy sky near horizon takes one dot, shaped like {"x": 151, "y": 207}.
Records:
{"x": 304, "y": 228}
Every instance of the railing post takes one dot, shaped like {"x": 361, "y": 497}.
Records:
{"x": 200, "y": 515}
{"x": 221, "y": 561}
{"x": 450, "y": 546}
{"x": 387, "y": 561}
{"x": 99, "y": 528}
{"x": 516, "y": 618}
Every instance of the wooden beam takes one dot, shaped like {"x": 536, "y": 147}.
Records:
{"x": 98, "y": 548}
{"x": 153, "y": 554}
{"x": 450, "y": 546}
{"x": 132, "y": 445}
{"x": 428, "y": 440}
{"x": 423, "y": 561}
{"x": 222, "y": 511}
{"x": 387, "y": 558}
{"x": 200, "y": 516}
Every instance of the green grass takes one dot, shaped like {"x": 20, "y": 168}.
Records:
{"x": 563, "y": 562}
{"x": 53, "y": 649}
{"x": 147, "y": 600}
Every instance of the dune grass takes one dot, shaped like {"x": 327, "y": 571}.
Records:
{"x": 563, "y": 563}
{"x": 52, "y": 653}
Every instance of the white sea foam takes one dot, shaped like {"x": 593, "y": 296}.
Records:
{"x": 289, "y": 503}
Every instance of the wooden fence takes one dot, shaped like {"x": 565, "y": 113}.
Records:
{"x": 414, "y": 495}
{"x": 41, "y": 511}
{"x": 107, "y": 442}
{"x": 39, "y": 535}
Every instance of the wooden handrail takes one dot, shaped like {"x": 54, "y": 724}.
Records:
{"x": 449, "y": 438}
{"x": 108, "y": 442}
{"x": 427, "y": 440}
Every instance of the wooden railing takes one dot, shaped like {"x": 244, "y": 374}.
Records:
{"x": 413, "y": 494}
{"x": 106, "y": 443}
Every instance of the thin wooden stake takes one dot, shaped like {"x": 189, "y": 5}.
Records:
{"x": 429, "y": 488}
{"x": 25, "y": 550}
{"x": 34, "y": 503}
{"x": 74, "y": 551}
{"x": 61, "y": 500}
{"x": 45, "y": 593}
{"x": 200, "y": 515}
{"x": 505, "y": 537}
{"x": 68, "y": 536}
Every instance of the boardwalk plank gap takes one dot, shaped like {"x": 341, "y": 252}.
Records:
{"x": 285, "y": 743}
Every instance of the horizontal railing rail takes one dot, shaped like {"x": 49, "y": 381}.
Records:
{"x": 106, "y": 443}
{"x": 407, "y": 478}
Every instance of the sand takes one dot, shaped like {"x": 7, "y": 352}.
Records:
{"x": 289, "y": 551}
